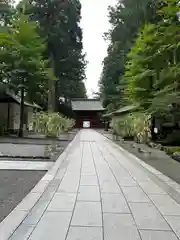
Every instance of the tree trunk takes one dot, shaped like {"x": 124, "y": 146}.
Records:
{"x": 8, "y": 120}
{"x": 51, "y": 96}
{"x": 21, "y": 124}
{"x": 51, "y": 89}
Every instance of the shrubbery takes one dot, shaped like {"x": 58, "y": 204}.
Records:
{"x": 52, "y": 125}
{"x": 123, "y": 126}
{"x": 171, "y": 150}
{"x": 135, "y": 126}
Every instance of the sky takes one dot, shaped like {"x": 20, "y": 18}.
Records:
{"x": 94, "y": 23}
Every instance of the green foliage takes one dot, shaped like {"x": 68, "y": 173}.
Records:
{"x": 142, "y": 127}
{"x": 126, "y": 18}
{"x": 41, "y": 41}
{"x": 138, "y": 75}
{"x": 148, "y": 53}
{"x": 6, "y": 13}
{"x": 59, "y": 25}
{"x": 171, "y": 150}
{"x": 135, "y": 126}
{"x": 123, "y": 126}
{"x": 22, "y": 60}
{"x": 153, "y": 71}
{"x": 51, "y": 125}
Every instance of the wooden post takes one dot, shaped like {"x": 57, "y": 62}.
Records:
{"x": 8, "y": 117}
{"x": 51, "y": 89}
{"x": 21, "y": 124}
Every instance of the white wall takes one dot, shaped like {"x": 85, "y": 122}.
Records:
{"x": 30, "y": 117}
{"x": 15, "y": 110}
{"x": 15, "y": 115}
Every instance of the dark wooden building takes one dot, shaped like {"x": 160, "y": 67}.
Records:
{"x": 88, "y": 113}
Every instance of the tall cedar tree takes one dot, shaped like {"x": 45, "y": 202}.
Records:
{"x": 153, "y": 67}
{"x": 59, "y": 25}
{"x": 125, "y": 18}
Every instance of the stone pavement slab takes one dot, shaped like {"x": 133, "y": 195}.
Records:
{"x": 109, "y": 186}
{"x": 23, "y": 233}
{"x": 135, "y": 194}
{"x": 10, "y": 224}
{"x": 53, "y": 225}
{"x": 26, "y": 203}
{"x": 89, "y": 193}
{"x": 89, "y": 180}
{"x": 114, "y": 203}
{"x": 62, "y": 202}
{"x": 85, "y": 233}
{"x": 25, "y": 165}
{"x": 37, "y": 211}
{"x": 148, "y": 217}
{"x": 151, "y": 188}
{"x": 69, "y": 185}
{"x": 22, "y": 149}
{"x": 157, "y": 235}
{"x": 100, "y": 192}
{"x": 166, "y": 205}
{"x": 87, "y": 214}
{"x": 174, "y": 185}
{"x": 174, "y": 222}
{"x": 120, "y": 226}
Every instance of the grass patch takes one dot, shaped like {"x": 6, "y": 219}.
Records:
{"x": 171, "y": 150}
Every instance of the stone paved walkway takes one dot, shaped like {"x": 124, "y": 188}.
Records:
{"x": 100, "y": 194}
{"x": 25, "y": 165}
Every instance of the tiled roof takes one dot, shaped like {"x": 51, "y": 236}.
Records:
{"x": 5, "y": 93}
{"x": 125, "y": 109}
{"x": 87, "y": 105}
{"x": 18, "y": 100}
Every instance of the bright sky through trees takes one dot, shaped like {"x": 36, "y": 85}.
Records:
{"x": 94, "y": 23}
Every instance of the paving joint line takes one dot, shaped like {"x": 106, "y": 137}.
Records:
{"x": 64, "y": 159}
{"x": 85, "y": 226}
{"x": 77, "y": 193}
{"x": 162, "y": 184}
{"x": 154, "y": 230}
{"x": 122, "y": 192}
{"x": 88, "y": 201}
{"x": 103, "y": 232}
{"x": 45, "y": 210}
{"x": 144, "y": 193}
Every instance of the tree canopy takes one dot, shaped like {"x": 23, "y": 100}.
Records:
{"x": 125, "y": 18}
{"x": 59, "y": 24}
{"x": 143, "y": 62}
{"x": 41, "y": 43}
{"x": 152, "y": 71}
{"x": 22, "y": 60}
